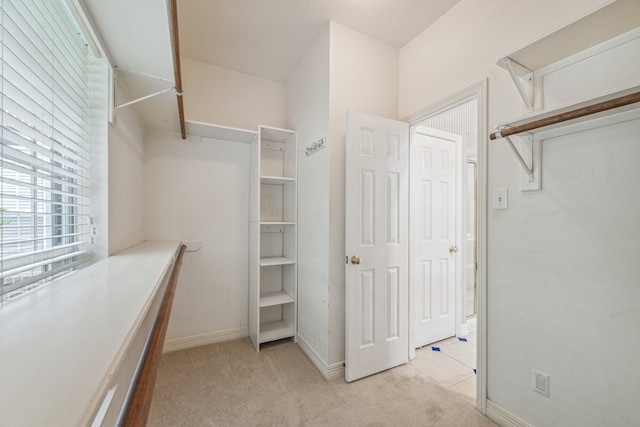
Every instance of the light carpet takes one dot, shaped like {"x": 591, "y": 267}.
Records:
{"x": 230, "y": 384}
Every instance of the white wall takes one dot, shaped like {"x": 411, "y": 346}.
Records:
{"x": 562, "y": 282}
{"x": 308, "y": 114}
{"x": 126, "y": 221}
{"x": 217, "y": 95}
{"x": 200, "y": 192}
{"x": 363, "y": 77}
{"x": 343, "y": 70}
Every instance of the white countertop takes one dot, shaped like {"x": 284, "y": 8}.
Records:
{"x": 60, "y": 345}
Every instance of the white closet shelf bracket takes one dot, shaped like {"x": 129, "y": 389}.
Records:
{"x": 144, "y": 98}
{"x": 517, "y": 73}
{"x": 527, "y": 169}
{"x": 145, "y": 75}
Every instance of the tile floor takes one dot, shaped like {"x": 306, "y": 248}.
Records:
{"x": 453, "y": 366}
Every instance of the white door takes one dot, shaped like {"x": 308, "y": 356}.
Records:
{"x": 435, "y": 232}
{"x": 376, "y": 245}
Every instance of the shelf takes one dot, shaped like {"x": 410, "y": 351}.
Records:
{"x": 209, "y": 130}
{"x": 275, "y": 134}
{"x": 275, "y": 331}
{"x": 610, "y": 21}
{"x": 275, "y": 298}
{"x": 271, "y": 261}
{"x": 273, "y": 236}
{"x": 276, "y": 180}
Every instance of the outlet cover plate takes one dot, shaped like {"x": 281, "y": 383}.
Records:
{"x": 541, "y": 383}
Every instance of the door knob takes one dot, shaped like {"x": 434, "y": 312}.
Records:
{"x": 453, "y": 249}
{"x": 355, "y": 260}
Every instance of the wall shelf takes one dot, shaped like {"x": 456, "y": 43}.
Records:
{"x": 275, "y": 298}
{"x": 276, "y": 180}
{"x": 271, "y": 261}
{"x": 612, "y": 20}
{"x": 275, "y": 331}
{"x": 209, "y": 130}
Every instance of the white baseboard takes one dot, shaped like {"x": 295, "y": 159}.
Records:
{"x": 336, "y": 370}
{"x": 330, "y": 372}
{"x": 470, "y": 326}
{"x": 503, "y": 417}
{"x": 204, "y": 339}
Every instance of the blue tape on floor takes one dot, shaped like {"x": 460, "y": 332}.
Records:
{"x": 462, "y": 339}
{"x": 435, "y": 348}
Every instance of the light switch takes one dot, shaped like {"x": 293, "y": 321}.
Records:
{"x": 500, "y": 197}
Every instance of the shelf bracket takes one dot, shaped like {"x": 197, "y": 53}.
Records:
{"x": 143, "y": 98}
{"x": 510, "y": 65}
{"x": 531, "y": 166}
{"x": 527, "y": 169}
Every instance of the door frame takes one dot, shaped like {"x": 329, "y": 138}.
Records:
{"x": 479, "y": 92}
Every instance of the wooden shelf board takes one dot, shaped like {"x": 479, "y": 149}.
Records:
{"x": 275, "y": 298}
{"x": 280, "y": 260}
{"x": 275, "y": 331}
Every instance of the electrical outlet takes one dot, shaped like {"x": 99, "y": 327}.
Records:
{"x": 500, "y": 196}
{"x": 541, "y": 383}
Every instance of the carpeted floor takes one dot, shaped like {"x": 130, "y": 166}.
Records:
{"x": 229, "y": 384}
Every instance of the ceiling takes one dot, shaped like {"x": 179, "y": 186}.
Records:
{"x": 267, "y": 38}
{"x": 263, "y": 38}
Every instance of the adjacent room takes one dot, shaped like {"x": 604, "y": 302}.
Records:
{"x": 338, "y": 212}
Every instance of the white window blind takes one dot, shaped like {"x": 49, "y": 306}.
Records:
{"x": 45, "y": 150}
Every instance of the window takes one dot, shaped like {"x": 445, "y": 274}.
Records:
{"x": 45, "y": 149}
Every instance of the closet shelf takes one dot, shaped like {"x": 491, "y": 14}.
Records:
{"x": 209, "y": 130}
{"x": 612, "y": 20}
{"x": 275, "y": 298}
{"x": 275, "y": 331}
{"x": 276, "y": 180}
{"x": 279, "y": 260}
{"x": 273, "y": 271}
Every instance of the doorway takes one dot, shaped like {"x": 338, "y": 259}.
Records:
{"x": 451, "y": 132}
{"x": 461, "y": 120}
{"x": 373, "y": 214}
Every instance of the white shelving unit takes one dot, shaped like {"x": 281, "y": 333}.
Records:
{"x": 273, "y": 236}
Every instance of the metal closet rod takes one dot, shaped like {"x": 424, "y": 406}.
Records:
{"x": 172, "y": 8}
{"x": 599, "y": 107}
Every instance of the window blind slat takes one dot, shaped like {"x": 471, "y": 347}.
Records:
{"x": 71, "y": 143}
{"x": 12, "y": 290}
{"x": 14, "y": 271}
{"x": 43, "y": 164}
{"x": 44, "y": 145}
{"x": 43, "y": 239}
{"x": 48, "y": 201}
{"x": 76, "y": 189}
